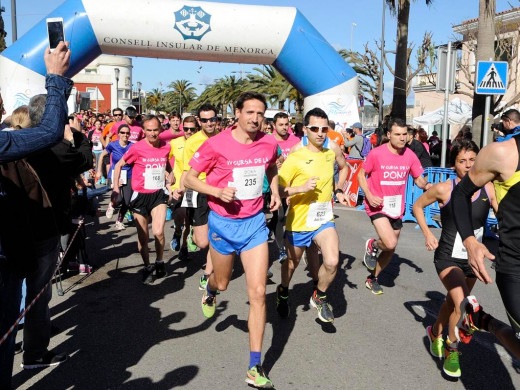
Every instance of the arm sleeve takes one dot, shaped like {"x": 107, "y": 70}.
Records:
{"x": 15, "y": 145}
{"x": 461, "y": 206}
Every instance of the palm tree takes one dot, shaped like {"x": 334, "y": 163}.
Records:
{"x": 154, "y": 100}
{"x": 182, "y": 94}
{"x": 402, "y": 7}
{"x": 485, "y": 51}
{"x": 271, "y": 83}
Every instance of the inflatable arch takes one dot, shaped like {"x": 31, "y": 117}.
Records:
{"x": 200, "y": 31}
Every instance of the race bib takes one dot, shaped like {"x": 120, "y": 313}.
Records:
{"x": 392, "y": 205}
{"x": 98, "y": 146}
{"x": 154, "y": 178}
{"x": 122, "y": 177}
{"x": 319, "y": 214}
{"x": 190, "y": 199}
{"x": 459, "y": 251}
{"x": 248, "y": 181}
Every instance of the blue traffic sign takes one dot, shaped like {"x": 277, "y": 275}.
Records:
{"x": 491, "y": 78}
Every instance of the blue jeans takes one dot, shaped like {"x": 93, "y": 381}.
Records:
{"x": 37, "y": 327}
{"x": 10, "y": 297}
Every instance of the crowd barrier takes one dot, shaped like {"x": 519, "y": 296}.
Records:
{"x": 434, "y": 175}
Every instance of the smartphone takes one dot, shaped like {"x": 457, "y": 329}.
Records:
{"x": 55, "y": 31}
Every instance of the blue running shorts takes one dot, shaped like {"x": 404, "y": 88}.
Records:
{"x": 305, "y": 238}
{"x": 228, "y": 235}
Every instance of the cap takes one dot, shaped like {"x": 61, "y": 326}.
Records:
{"x": 357, "y": 125}
{"x": 131, "y": 112}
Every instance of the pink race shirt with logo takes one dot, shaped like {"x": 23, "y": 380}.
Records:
{"x": 167, "y": 135}
{"x": 387, "y": 174}
{"x": 136, "y": 132}
{"x": 97, "y": 146}
{"x": 148, "y": 166}
{"x": 229, "y": 163}
{"x": 287, "y": 144}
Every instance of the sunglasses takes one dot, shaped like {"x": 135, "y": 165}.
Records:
{"x": 124, "y": 132}
{"x": 205, "y": 120}
{"x": 118, "y": 114}
{"x": 315, "y": 129}
{"x": 192, "y": 129}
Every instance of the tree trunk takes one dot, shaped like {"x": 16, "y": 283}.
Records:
{"x": 485, "y": 51}
{"x": 401, "y": 61}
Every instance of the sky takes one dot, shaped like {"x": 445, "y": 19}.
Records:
{"x": 343, "y": 23}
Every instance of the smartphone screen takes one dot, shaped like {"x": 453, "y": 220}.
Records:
{"x": 55, "y": 29}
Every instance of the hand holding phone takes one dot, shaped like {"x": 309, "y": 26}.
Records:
{"x": 55, "y": 32}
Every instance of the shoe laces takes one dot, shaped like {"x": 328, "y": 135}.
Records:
{"x": 210, "y": 300}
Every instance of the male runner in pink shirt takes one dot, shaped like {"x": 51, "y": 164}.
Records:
{"x": 151, "y": 192}
{"x": 175, "y": 130}
{"x": 235, "y": 162}
{"x": 387, "y": 168}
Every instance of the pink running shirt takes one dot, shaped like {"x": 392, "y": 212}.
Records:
{"x": 95, "y": 137}
{"x": 287, "y": 144}
{"x": 149, "y": 166}
{"x": 229, "y": 163}
{"x": 136, "y": 132}
{"x": 387, "y": 174}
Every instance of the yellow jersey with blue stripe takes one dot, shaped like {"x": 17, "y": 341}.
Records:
{"x": 177, "y": 151}
{"x": 309, "y": 210}
{"x": 190, "y": 148}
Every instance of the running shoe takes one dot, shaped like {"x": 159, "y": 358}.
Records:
{"x": 110, "y": 211}
{"x": 119, "y": 226}
{"x": 373, "y": 284}
{"x": 203, "y": 281}
{"x": 175, "y": 243}
{"x": 85, "y": 269}
{"x": 148, "y": 274}
{"x": 323, "y": 307}
{"x": 160, "y": 270}
{"x": 48, "y": 360}
{"x": 103, "y": 180}
{"x": 282, "y": 303}
{"x": 436, "y": 344}
{"x": 129, "y": 216}
{"x": 192, "y": 247}
{"x": 183, "y": 254}
{"x": 465, "y": 326}
{"x": 257, "y": 377}
{"x": 283, "y": 256}
{"x": 451, "y": 365}
{"x": 371, "y": 253}
{"x": 169, "y": 214}
{"x": 209, "y": 304}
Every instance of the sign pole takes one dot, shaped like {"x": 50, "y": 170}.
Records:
{"x": 446, "y": 106}
{"x": 485, "y": 122}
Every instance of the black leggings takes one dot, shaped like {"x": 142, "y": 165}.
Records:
{"x": 509, "y": 287}
{"x": 125, "y": 195}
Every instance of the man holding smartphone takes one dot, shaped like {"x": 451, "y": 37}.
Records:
{"x": 17, "y": 257}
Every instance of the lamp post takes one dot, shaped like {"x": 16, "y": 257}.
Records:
{"x": 382, "y": 64}
{"x": 116, "y": 72}
{"x": 352, "y": 34}
{"x": 139, "y": 85}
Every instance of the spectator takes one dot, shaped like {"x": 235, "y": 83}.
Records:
{"x": 422, "y": 137}
{"x": 17, "y": 229}
{"x": 356, "y": 144}
{"x": 336, "y": 136}
{"x": 418, "y": 148}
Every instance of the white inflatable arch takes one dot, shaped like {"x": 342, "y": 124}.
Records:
{"x": 200, "y": 31}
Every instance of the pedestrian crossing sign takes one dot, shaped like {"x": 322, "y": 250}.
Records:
{"x": 491, "y": 78}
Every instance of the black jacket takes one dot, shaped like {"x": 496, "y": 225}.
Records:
{"x": 421, "y": 152}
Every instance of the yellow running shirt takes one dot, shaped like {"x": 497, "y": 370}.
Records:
{"x": 310, "y": 210}
{"x": 177, "y": 151}
{"x": 190, "y": 147}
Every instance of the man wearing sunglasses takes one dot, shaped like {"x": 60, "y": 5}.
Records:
{"x": 107, "y": 136}
{"x": 136, "y": 131}
{"x": 179, "y": 212}
{"x": 197, "y": 204}
{"x": 236, "y": 162}
{"x": 307, "y": 176}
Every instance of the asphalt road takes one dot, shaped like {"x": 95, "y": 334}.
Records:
{"x": 121, "y": 334}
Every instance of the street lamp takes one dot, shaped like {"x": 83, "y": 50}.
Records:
{"x": 382, "y": 64}
{"x": 116, "y": 71}
{"x": 352, "y": 34}
{"x": 139, "y": 85}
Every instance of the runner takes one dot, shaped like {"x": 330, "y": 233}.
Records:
{"x": 179, "y": 212}
{"x": 499, "y": 161}
{"x": 136, "y": 132}
{"x": 308, "y": 178}
{"x": 236, "y": 161}
{"x": 285, "y": 141}
{"x": 451, "y": 258}
{"x": 149, "y": 161}
{"x": 387, "y": 168}
{"x": 116, "y": 150}
{"x": 197, "y": 204}
{"x": 174, "y": 130}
